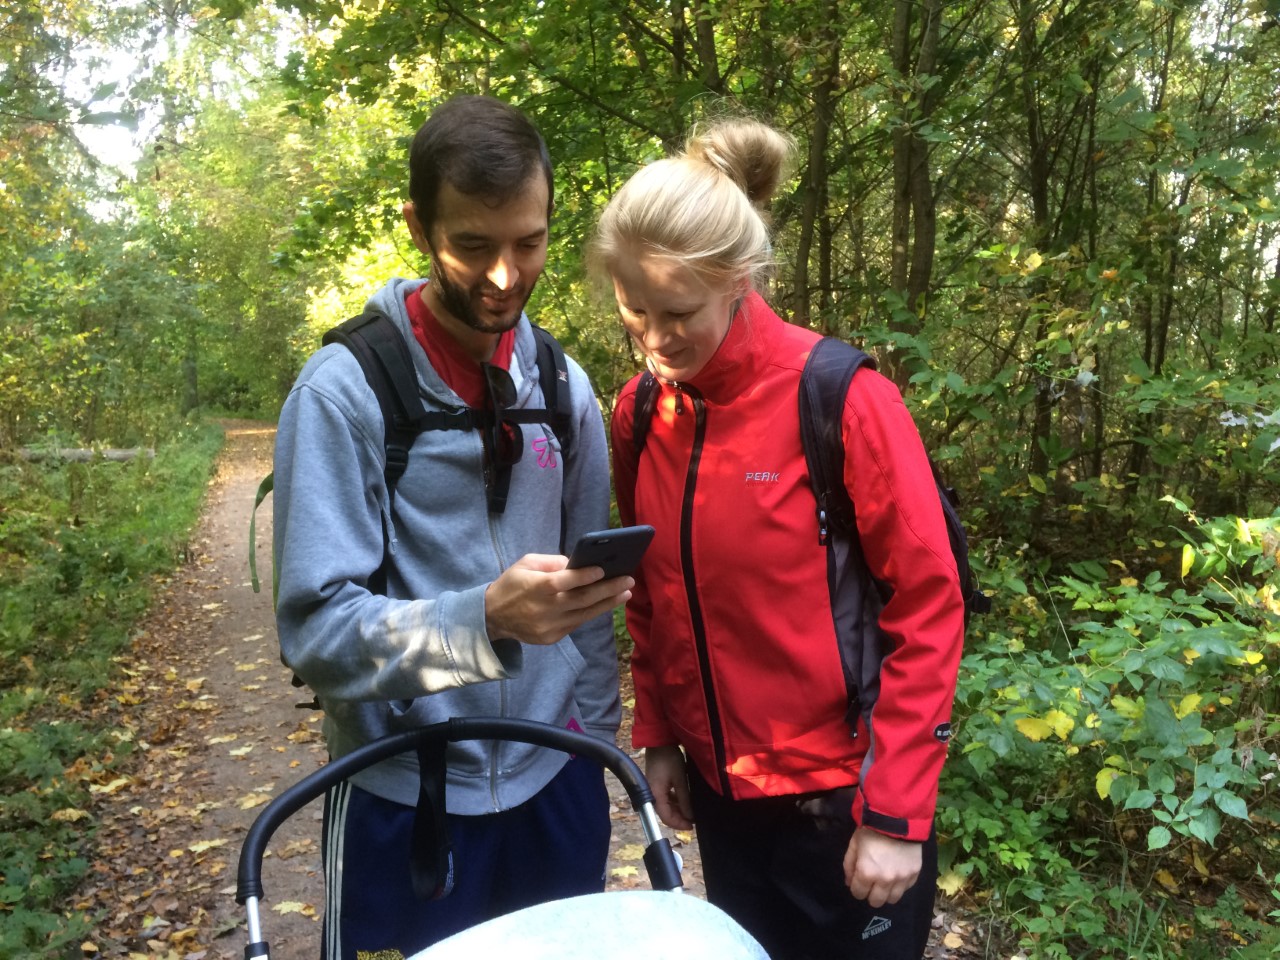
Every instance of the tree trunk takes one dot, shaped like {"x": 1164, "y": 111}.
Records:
{"x": 815, "y": 179}
{"x": 914, "y": 224}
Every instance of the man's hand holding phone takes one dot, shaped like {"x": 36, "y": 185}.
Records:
{"x": 543, "y": 597}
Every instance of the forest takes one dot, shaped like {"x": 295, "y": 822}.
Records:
{"x": 1055, "y": 223}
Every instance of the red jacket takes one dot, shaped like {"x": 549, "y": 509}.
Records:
{"x": 736, "y": 655}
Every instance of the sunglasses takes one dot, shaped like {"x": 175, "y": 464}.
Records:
{"x": 501, "y": 434}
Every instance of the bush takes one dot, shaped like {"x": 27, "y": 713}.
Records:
{"x": 1125, "y": 730}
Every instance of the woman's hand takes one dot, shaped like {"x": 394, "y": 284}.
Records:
{"x": 664, "y": 769}
{"x": 880, "y": 869}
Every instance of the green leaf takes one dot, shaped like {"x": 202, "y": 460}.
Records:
{"x": 1231, "y": 804}
{"x": 1140, "y": 800}
{"x": 1158, "y": 838}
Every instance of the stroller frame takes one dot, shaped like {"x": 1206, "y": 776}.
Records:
{"x": 659, "y": 859}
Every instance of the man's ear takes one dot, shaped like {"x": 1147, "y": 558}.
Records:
{"x": 416, "y": 229}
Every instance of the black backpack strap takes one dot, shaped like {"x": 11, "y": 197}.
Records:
{"x": 431, "y": 847}
{"x": 823, "y": 387}
{"x": 646, "y": 398}
{"x": 388, "y": 367}
{"x": 553, "y": 377}
{"x": 824, "y": 383}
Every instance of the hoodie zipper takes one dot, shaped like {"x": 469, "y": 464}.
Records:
{"x": 691, "y": 580}
{"x": 502, "y": 684}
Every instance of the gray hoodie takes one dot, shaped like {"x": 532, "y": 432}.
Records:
{"x": 421, "y": 654}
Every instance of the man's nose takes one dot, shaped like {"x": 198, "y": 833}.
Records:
{"x": 504, "y": 273}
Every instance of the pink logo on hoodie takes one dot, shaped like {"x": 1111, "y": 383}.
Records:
{"x": 546, "y": 454}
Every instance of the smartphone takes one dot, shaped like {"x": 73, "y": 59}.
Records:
{"x": 618, "y": 551}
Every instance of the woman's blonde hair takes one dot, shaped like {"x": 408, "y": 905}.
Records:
{"x": 706, "y": 207}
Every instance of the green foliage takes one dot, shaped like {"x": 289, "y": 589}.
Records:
{"x": 1142, "y": 716}
{"x": 81, "y": 547}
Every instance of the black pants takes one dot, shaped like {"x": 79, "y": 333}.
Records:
{"x": 775, "y": 865}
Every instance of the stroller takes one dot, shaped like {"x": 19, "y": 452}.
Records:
{"x": 649, "y": 924}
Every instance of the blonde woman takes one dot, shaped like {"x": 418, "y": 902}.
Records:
{"x": 814, "y": 814}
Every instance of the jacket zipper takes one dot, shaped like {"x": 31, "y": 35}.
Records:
{"x": 691, "y": 583}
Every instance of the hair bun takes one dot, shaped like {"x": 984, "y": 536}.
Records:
{"x": 750, "y": 153}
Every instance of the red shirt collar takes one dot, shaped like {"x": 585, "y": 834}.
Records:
{"x": 456, "y": 368}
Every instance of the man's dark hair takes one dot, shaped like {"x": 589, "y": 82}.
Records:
{"x": 481, "y": 147}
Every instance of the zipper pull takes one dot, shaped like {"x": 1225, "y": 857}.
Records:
{"x": 679, "y": 402}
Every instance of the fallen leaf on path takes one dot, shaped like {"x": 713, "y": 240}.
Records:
{"x": 621, "y": 872}
{"x": 295, "y": 847}
{"x": 200, "y": 846}
{"x": 109, "y": 788}
{"x": 953, "y": 941}
{"x": 68, "y": 815}
{"x": 240, "y": 751}
{"x": 293, "y": 906}
{"x": 631, "y": 851}
{"x": 227, "y": 739}
{"x": 249, "y": 801}
{"x": 951, "y": 883}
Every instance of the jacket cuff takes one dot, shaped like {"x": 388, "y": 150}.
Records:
{"x": 902, "y": 828}
{"x": 652, "y": 735}
{"x": 469, "y": 648}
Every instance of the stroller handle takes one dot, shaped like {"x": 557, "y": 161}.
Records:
{"x": 664, "y": 873}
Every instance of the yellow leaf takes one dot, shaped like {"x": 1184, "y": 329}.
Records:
{"x": 113, "y": 787}
{"x": 1189, "y": 704}
{"x": 951, "y": 883}
{"x": 1188, "y": 558}
{"x": 246, "y": 667}
{"x": 1201, "y": 867}
{"x": 194, "y": 685}
{"x": 68, "y": 815}
{"x": 953, "y": 941}
{"x": 293, "y": 906}
{"x": 1103, "y": 781}
{"x": 1060, "y": 722}
{"x": 684, "y": 836}
{"x": 632, "y": 851}
{"x": 1128, "y": 582}
{"x": 1242, "y": 531}
{"x": 240, "y": 751}
{"x": 1132, "y": 378}
{"x": 1033, "y": 728}
{"x": 1037, "y": 483}
{"x": 88, "y": 947}
{"x": 1189, "y": 655}
{"x": 251, "y": 800}
{"x": 227, "y": 739}
{"x": 1033, "y": 261}
{"x": 1127, "y": 708}
{"x": 1165, "y": 879}
{"x": 200, "y": 846}
{"x": 621, "y": 872}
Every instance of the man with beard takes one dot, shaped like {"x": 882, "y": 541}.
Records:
{"x": 408, "y": 606}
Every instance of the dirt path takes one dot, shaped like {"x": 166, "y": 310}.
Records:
{"x": 217, "y": 735}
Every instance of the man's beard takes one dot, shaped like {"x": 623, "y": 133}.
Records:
{"x": 457, "y": 300}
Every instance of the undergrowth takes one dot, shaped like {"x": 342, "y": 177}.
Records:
{"x": 82, "y": 546}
